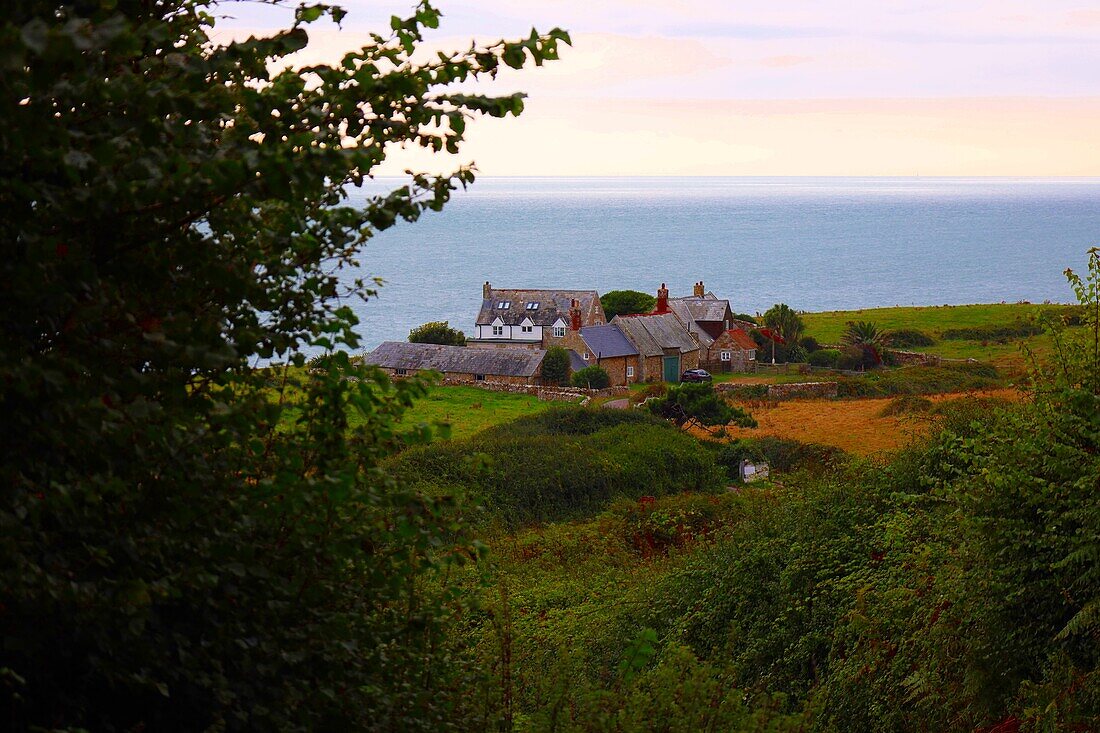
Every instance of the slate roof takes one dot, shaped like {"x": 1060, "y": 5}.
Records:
{"x": 457, "y": 359}
{"x": 681, "y": 309}
{"x": 705, "y": 308}
{"x": 576, "y": 361}
{"x": 607, "y": 341}
{"x": 552, "y": 305}
{"x": 652, "y": 334}
{"x": 742, "y": 339}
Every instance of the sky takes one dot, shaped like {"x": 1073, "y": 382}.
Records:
{"x": 765, "y": 87}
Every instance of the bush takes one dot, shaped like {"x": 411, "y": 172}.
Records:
{"x": 570, "y": 421}
{"x": 591, "y": 377}
{"x": 555, "y": 366}
{"x": 829, "y": 358}
{"x": 921, "y": 380}
{"x": 553, "y": 476}
{"x": 437, "y": 332}
{"x": 859, "y": 358}
{"x": 908, "y": 338}
{"x": 995, "y": 333}
{"x": 906, "y": 405}
{"x": 809, "y": 344}
{"x": 781, "y": 454}
{"x": 699, "y": 401}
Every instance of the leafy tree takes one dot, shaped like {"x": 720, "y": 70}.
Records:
{"x": 555, "y": 366}
{"x": 180, "y": 550}
{"x": 699, "y": 401}
{"x": 591, "y": 377}
{"x": 864, "y": 342}
{"x": 437, "y": 332}
{"x": 625, "y": 302}
{"x": 781, "y": 319}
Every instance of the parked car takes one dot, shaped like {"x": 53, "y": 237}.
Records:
{"x": 695, "y": 375}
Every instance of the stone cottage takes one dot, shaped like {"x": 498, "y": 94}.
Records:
{"x": 665, "y": 346}
{"x": 459, "y": 364}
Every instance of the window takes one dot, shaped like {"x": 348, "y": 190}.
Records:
{"x": 585, "y": 356}
{"x": 630, "y": 372}
{"x": 559, "y": 332}
{"x": 752, "y": 353}
{"x": 504, "y": 304}
{"x": 400, "y": 372}
{"x": 498, "y": 330}
{"x": 532, "y": 306}
{"x": 725, "y": 356}
{"x": 527, "y": 329}
{"x": 479, "y": 377}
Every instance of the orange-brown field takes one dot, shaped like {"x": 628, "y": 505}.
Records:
{"x": 851, "y": 425}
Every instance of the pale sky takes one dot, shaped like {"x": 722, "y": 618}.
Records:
{"x": 769, "y": 87}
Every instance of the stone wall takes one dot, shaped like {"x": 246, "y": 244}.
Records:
{"x": 543, "y": 392}
{"x": 801, "y": 390}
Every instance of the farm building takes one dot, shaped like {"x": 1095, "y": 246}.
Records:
{"x": 459, "y": 364}
{"x": 725, "y": 344}
{"x": 665, "y": 346}
{"x": 608, "y": 347}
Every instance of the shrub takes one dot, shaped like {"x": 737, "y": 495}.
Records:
{"x": 570, "y": 421}
{"x": 701, "y": 402}
{"x": 591, "y": 377}
{"x": 921, "y": 380}
{"x": 909, "y": 337}
{"x": 995, "y": 333}
{"x": 555, "y": 366}
{"x": 829, "y": 358}
{"x": 781, "y": 454}
{"x": 437, "y": 332}
{"x": 809, "y": 344}
{"x": 543, "y": 477}
{"x": 906, "y": 405}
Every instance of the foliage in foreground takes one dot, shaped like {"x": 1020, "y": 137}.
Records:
{"x": 175, "y": 552}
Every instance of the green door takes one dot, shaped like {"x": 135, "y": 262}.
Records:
{"x": 672, "y": 369}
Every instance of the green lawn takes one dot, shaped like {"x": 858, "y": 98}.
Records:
{"x": 827, "y": 327}
{"x": 470, "y": 410}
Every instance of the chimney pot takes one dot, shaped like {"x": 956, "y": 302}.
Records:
{"x": 486, "y": 289}
{"x": 700, "y": 290}
{"x": 662, "y": 299}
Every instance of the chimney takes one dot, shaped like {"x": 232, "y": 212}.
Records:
{"x": 700, "y": 291}
{"x": 662, "y": 299}
{"x": 575, "y": 315}
{"x": 486, "y": 289}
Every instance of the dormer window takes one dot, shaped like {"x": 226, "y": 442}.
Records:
{"x": 559, "y": 332}
{"x": 527, "y": 329}
{"x": 532, "y": 306}
{"x": 498, "y": 330}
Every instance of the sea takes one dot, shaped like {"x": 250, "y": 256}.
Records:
{"x": 812, "y": 243}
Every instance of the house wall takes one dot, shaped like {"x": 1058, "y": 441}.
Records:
{"x": 467, "y": 378}
{"x": 512, "y": 333}
{"x": 740, "y": 359}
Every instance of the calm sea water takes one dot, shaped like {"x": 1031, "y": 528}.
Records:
{"x": 815, "y": 244}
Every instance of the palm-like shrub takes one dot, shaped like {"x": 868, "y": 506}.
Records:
{"x": 866, "y": 340}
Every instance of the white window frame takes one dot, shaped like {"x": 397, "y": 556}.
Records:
{"x": 498, "y": 330}
{"x": 559, "y": 332}
{"x": 532, "y": 306}
{"x": 630, "y": 372}
{"x": 479, "y": 377}
{"x": 726, "y": 356}
{"x": 527, "y": 329}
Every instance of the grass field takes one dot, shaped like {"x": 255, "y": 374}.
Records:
{"x": 827, "y": 328}
{"x": 469, "y": 410}
{"x": 855, "y": 426}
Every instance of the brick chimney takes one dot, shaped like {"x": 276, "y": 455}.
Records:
{"x": 700, "y": 291}
{"x": 662, "y": 299}
{"x": 486, "y": 289}
{"x": 575, "y": 315}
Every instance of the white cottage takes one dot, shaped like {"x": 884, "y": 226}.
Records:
{"x": 533, "y": 318}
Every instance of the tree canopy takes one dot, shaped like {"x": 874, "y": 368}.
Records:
{"x": 624, "y": 302}
{"x": 191, "y": 542}
{"x": 437, "y": 332}
{"x": 555, "y": 366}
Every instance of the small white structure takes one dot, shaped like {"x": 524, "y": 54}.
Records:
{"x": 753, "y": 471}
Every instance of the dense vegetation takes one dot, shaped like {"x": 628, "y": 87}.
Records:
{"x": 555, "y": 366}
{"x": 626, "y": 302}
{"x": 437, "y": 332}
{"x": 591, "y": 377}
{"x": 177, "y": 551}
{"x": 698, "y": 401}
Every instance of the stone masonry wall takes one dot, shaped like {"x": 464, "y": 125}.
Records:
{"x": 779, "y": 391}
